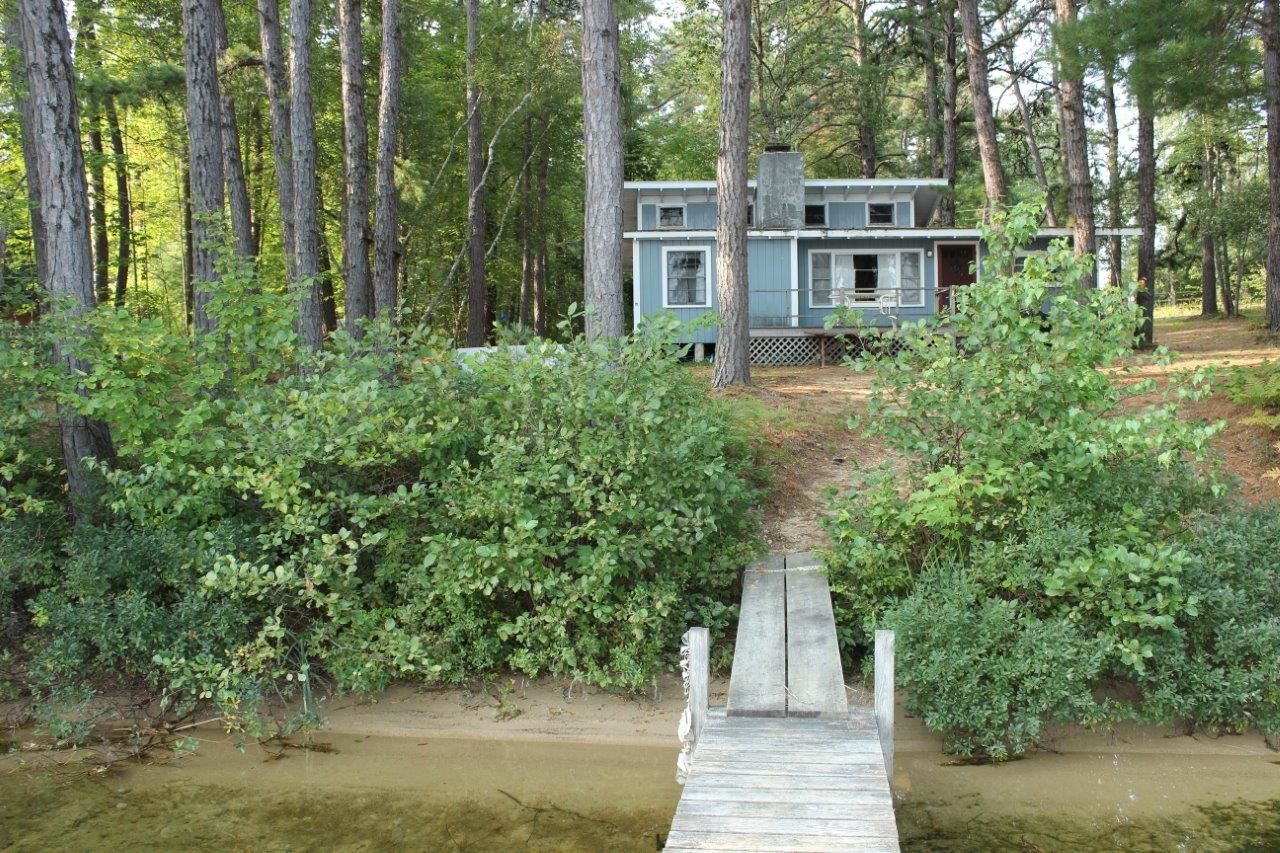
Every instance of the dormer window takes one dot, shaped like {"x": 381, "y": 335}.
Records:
{"x": 880, "y": 213}
{"x": 671, "y": 216}
{"x": 815, "y": 215}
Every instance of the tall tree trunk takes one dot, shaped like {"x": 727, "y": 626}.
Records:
{"x": 356, "y": 235}
{"x": 26, "y": 129}
{"x": 868, "y": 156}
{"x": 946, "y": 215}
{"x": 386, "y": 234}
{"x": 188, "y": 260}
{"x": 204, "y": 127}
{"x": 1271, "y": 76}
{"x": 124, "y": 201}
{"x": 306, "y": 249}
{"x": 1147, "y": 217}
{"x": 477, "y": 313}
{"x": 97, "y": 159}
{"x": 1033, "y": 148}
{"x": 1076, "y": 141}
{"x": 733, "y": 338}
{"x": 602, "y": 124}
{"x": 1208, "y": 250}
{"x": 232, "y": 164}
{"x": 538, "y": 226}
{"x": 524, "y": 300}
{"x": 1224, "y": 276}
{"x": 983, "y": 112}
{"x": 275, "y": 74}
{"x": 928, "y": 53}
{"x": 1208, "y": 276}
{"x": 1114, "y": 217}
{"x": 328, "y": 304}
{"x": 64, "y": 200}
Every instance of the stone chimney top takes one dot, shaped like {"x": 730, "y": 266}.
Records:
{"x": 779, "y": 187}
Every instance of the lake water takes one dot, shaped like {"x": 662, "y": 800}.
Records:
{"x": 380, "y": 793}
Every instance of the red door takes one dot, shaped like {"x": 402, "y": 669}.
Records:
{"x": 955, "y": 269}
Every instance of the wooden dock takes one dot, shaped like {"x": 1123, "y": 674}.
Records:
{"x": 787, "y": 765}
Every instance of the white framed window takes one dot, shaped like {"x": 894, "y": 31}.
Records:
{"x": 880, "y": 213}
{"x": 815, "y": 215}
{"x": 671, "y": 216}
{"x": 684, "y": 277}
{"x": 841, "y": 277}
{"x": 911, "y": 279}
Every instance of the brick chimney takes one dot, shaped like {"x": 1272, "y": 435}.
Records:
{"x": 779, "y": 188}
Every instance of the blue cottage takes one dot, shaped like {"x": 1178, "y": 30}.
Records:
{"x": 813, "y": 246}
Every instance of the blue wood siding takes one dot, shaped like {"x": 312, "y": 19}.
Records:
{"x": 700, "y": 216}
{"x": 812, "y": 317}
{"x": 847, "y": 214}
{"x": 902, "y": 217}
{"x": 650, "y": 286}
{"x": 648, "y": 217}
{"x": 768, "y": 277}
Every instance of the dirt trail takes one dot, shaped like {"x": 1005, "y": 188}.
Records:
{"x": 816, "y": 452}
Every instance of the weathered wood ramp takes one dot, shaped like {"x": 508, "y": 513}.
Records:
{"x": 786, "y": 765}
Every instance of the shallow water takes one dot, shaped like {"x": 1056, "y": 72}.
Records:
{"x": 1141, "y": 792}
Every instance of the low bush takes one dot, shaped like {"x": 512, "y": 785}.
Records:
{"x": 1071, "y": 523}
{"x": 387, "y": 512}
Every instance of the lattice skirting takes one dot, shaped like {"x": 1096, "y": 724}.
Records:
{"x": 817, "y": 349}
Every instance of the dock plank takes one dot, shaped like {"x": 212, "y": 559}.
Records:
{"x": 786, "y": 765}
{"x": 758, "y": 679}
{"x": 815, "y": 679}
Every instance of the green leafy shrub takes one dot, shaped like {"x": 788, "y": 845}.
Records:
{"x": 987, "y": 672}
{"x": 1059, "y": 503}
{"x": 386, "y": 512}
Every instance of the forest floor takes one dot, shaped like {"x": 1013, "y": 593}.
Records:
{"x": 814, "y": 453}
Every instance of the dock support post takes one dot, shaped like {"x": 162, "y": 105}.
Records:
{"x": 884, "y": 697}
{"x": 699, "y": 678}
{"x": 699, "y": 353}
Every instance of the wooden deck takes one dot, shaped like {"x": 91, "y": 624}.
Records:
{"x": 786, "y": 765}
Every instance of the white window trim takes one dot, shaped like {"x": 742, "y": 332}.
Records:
{"x": 657, "y": 217}
{"x": 706, "y": 265}
{"x": 893, "y": 215}
{"x": 826, "y": 214}
{"x": 920, "y": 286}
{"x": 897, "y": 293}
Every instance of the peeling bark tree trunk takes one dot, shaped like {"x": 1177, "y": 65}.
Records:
{"x": 1271, "y": 76}
{"x": 946, "y": 215}
{"x": 1033, "y": 148}
{"x": 602, "y": 125}
{"x": 1147, "y": 217}
{"x": 477, "y": 330}
{"x": 733, "y": 338}
{"x": 983, "y": 112}
{"x": 1114, "y": 218}
{"x": 204, "y": 127}
{"x": 276, "y": 78}
{"x": 305, "y": 200}
{"x": 232, "y": 165}
{"x": 26, "y": 129}
{"x": 356, "y": 236}
{"x": 1076, "y": 143}
{"x": 386, "y": 234}
{"x": 64, "y": 201}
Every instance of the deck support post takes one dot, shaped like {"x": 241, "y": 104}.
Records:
{"x": 699, "y": 678}
{"x": 884, "y": 696}
{"x": 699, "y": 353}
